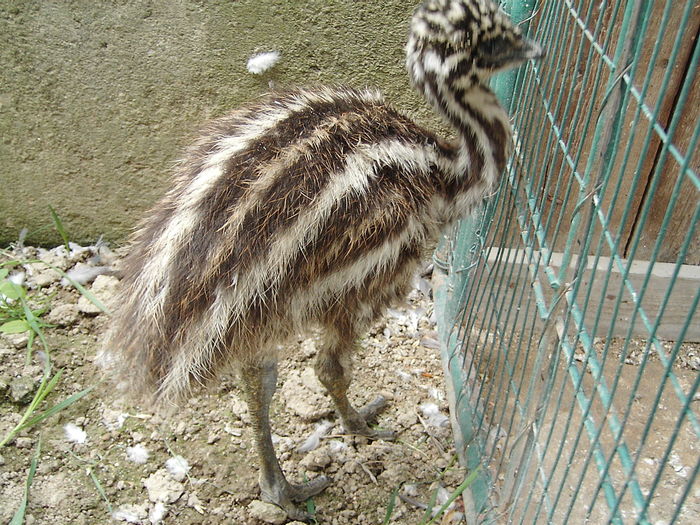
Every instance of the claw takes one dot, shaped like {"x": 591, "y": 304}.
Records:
{"x": 358, "y": 424}
{"x": 308, "y": 489}
{"x": 286, "y": 494}
{"x": 372, "y": 409}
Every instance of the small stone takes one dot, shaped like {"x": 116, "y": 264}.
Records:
{"x": 55, "y": 491}
{"x": 24, "y": 442}
{"x": 196, "y": 503}
{"x": 310, "y": 381}
{"x": 18, "y": 341}
{"x": 317, "y": 459}
{"x": 131, "y": 513}
{"x": 46, "y": 277}
{"x": 239, "y": 408}
{"x": 64, "y": 315}
{"x": 304, "y": 401}
{"x": 105, "y": 289}
{"x": 267, "y": 512}
{"x": 162, "y": 487}
{"x": 56, "y": 257}
{"x": 308, "y": 348}
{"x": 407, "y": 419}
{"x": 22, "y": 389}
{"x": 4, "y": 384}
{"x": 158, "y": 512}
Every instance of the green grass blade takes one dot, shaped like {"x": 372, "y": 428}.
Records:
{"x": 99, "y": 488}
{"x": 390, "y": 506}
{"x": 11, "y": 290}
{"x": 59, "y": 227}
{"x": 34, "y": 322}
{"x": 458, "y": 491}
{"x": 88, "y": 295}
{"x": 311, "y": 506}
{"x": 45, "y": 387}
{"x": 429, "y": 508}
{"x": 57, "y": 407}
{"x": 18, "y": 517}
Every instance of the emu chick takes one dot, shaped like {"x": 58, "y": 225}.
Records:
{"x": 313, "y": 206}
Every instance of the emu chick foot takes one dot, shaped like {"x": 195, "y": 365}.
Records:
{"x": 357, "y": 423}
{"x": 286, "y": 495}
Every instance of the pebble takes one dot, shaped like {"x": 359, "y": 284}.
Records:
{"x": 55, "y": 257}
{"x": 22, "y": 389}
{"x": 158, "y": 512}
{"x": 308, "y": 348}
{"x": 18, "y": 341}
{"x": 194, "y": 502}
{"x": 105, "y": 289}
{"x": 131, "y": 513}
{"x": 267, "y": 512}
{"x": 162, "y": 487}
{"x": 304, "y": 401}
{"x": 45, "y": 277}
{"x": 310, "y": 381}
{"x": 64, "y": 315}
{"x": 317, "y": 459}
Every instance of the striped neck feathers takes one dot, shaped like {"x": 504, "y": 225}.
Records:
{"x": 463, "y": 98}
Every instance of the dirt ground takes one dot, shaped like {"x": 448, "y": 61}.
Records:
{"x": 563, "y": 447}
{"x": 104, "y": 461}
{"x": 197, "y": 465}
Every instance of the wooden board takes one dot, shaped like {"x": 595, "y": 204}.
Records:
{"x": 544, "y": 165}
{"x": 508, "y": 266}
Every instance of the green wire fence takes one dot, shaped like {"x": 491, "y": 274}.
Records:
{"x": 568, "y": 304}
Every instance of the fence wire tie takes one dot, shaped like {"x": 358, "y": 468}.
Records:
{"x": 467, "y": 268}
{"x": 442, "y": 264}
{"x": 561, "y": 292}
{"x": 592, "y": 193}
{"x": 609, "y": 92}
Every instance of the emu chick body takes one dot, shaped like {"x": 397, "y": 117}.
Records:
{"x": 314, "y": 206}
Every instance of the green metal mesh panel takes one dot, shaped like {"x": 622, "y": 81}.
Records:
{"x": 568, "y": 304}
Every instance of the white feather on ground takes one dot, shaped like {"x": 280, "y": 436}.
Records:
{"x": 432, "y": 413}
{"x": 314, "y": 440}
{"x": 157, "y": 513}
{"x": 83, "y": 273}
{"x": 258, "y": 64}
{"x": 137, "y": 454}
{"x": 177, "y": 467}
{"x": 74, "y": 433}
{"x": 128, "y": 514}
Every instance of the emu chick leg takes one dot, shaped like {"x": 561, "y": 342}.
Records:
{"x": 260, "y": 382}
{"x": 334, "y": 371}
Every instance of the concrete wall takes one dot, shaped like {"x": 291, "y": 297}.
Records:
{"x": 97, "y": 98}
